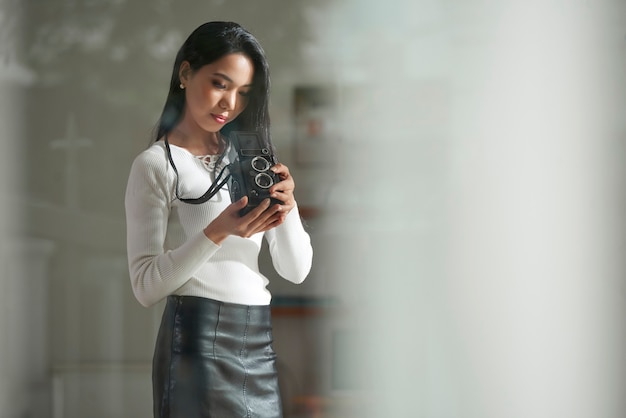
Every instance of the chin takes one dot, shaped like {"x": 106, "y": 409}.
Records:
{"x": 212, "y": 127}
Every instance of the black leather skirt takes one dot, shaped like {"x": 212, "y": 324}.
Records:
{"x": 214, "y": 359}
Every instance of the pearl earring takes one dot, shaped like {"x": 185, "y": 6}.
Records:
{"x": 182, "y": 86}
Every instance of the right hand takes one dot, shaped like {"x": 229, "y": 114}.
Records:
{"x": 230, "y": 222}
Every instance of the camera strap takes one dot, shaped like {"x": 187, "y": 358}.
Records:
{"x": 212, "y": 191}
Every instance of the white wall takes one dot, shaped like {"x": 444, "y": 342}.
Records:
{"x": 490, "y": 274}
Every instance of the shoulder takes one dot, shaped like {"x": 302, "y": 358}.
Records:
{"x": 150, "y": 183}
{"x": 153, "y": 157}
{"x": 151, "y": 166}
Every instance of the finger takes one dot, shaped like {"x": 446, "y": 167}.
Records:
{"x": 257, "y": 211}
{"x": 273, "y": 222}
{"x": 259, "y": 215}
{"x": 279, "y": 167}
{"x": 285, "y": 209}
{"x": 267, "y": 220}
{"x": 270, "y": 212}
{"x": 283, "y": 186}
{"x": 282, "y": 170}
{"x": 285, "y": 197}
{"x": 282, "y": 196}
{"x": 239, "y": 204}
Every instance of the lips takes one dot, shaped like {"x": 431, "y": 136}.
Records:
{"x": 219, "y": 118}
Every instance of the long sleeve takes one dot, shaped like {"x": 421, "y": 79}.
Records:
{"x": 168, "y": 252}
{"x": 290, "y": 248}
{"x": 155, "y": 270}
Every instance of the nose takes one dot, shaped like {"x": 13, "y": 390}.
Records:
{"x": 229, "y": 100}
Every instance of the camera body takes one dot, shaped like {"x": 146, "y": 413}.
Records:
{"x": 250, "y": 175}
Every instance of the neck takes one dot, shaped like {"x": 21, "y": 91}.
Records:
{"x": 209, "y": 143}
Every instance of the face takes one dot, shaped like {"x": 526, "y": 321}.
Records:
{"x": 216, "y": 93}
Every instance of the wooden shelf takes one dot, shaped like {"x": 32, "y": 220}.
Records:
{"x": 300, "y": 306}
{"x": 308, "y": 212}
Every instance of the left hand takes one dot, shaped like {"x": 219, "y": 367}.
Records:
{"x": 283, "y": 190}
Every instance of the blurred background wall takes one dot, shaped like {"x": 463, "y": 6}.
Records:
{"x": 460, "y": 166}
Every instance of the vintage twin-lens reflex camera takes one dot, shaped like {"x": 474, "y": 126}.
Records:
{"x": 250, "y": 175}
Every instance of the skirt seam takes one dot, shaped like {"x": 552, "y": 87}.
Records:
{"x": 171, "y": 359}
{"x": 217, "y": 324}
{"x": 243, "y": 364}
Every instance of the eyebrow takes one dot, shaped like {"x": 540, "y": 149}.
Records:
{"x": 227, "y": 78}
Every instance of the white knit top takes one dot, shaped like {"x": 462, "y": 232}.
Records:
{"x": 168, "y": 252}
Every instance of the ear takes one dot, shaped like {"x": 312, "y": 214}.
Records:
{"x": 184, "y": 72}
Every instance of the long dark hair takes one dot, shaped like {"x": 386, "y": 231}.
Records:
{"x": 206, "y": 44}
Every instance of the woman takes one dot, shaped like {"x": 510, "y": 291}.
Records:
{"x": 213, "y": 355}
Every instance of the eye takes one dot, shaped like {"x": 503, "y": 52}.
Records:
{"x": 244, "y": 93}
{"x": 219, "y": 85}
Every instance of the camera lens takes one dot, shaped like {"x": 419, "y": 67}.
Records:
{"x": 263, "y": 180}
{"x": 260, "y": 164}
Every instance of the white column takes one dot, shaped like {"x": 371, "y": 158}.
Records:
{"x": 24, "y": 347}
{"x": 24, "y": 385}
